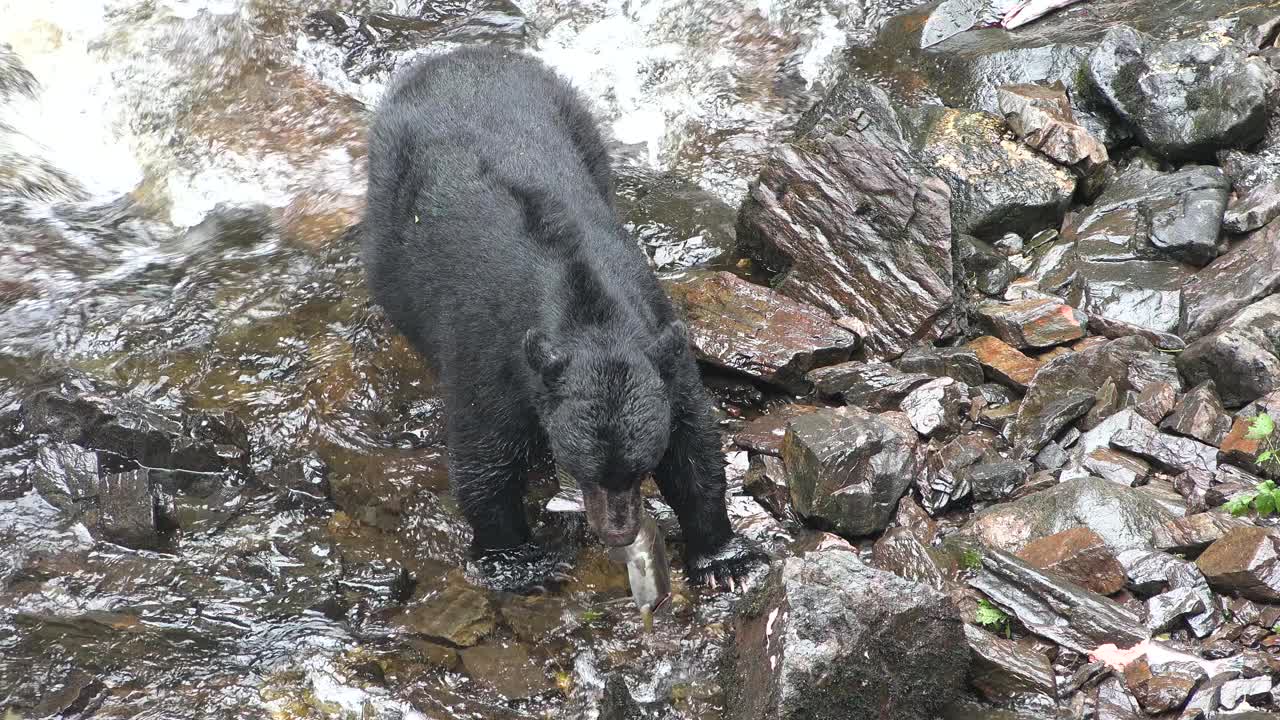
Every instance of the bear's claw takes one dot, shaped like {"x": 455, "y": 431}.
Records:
{"x": 732, "y": 565}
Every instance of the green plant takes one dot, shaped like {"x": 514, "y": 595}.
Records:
{"x": 990, "y": 616}
{"x": 590, "y": 616}
{"x": 1276, "y": 628}
{"x": 971, "y": 559}
{"x": 1265, "y": 499}
{"x": 1263, "y": 429}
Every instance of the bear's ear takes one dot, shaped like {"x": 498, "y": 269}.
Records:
{"x": 543, "y": 359}
{"x": 670, "y": 346}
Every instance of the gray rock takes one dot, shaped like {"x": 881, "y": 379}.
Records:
{"x": 1240, "y": 690}
{"x": 118, "y": 507}
{"x": 829, "y": 638}
{"x": 1193, "y": 533}
{"x": 997, "y": 480}
{"x": 998, "y": 185}
{"x": 872, "y": 386}
{"x": 959, "y": 363}
{"x": 898, "y": 551}
{"x": 1123, "y": 517}
{"x": 1248, "y": 272}
{"x": 937, "y": 407}
{"x": 1241, "y": 357}
{"x": 1117, "y": 467}
{"x": 1004, "y": 671}
{"x": 753, "y": 330}
{"x": 1115, "y": 702}
{"x": 1116, "y": 329}
{"x": 1200, "y": 415}
{"x": 1185, "y": 99}
{"x": 1041, "y": 117}
{"x": 945, "y": 479}
{"x": 1100, "y": 436}
{"x": 1253, "y": 208}
{"x": 1148, "y": 368}
{"x": 847, "y": 468}
{"x": 1147, "y": 571}
{"x": 1062, "y": 612}
{"x": 1138, "y": 292}
{"x": 1169, "y": 452}
{"x": 985, "y": 270}
{"x": 1165, "y": 609}
{"x": 887, "y": 254}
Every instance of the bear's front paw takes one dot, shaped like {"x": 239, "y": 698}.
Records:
{"x": 525, "y": 569}
{"x": 730, "y": 564}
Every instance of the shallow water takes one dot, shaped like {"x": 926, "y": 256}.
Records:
{"x": 176, "y": 193}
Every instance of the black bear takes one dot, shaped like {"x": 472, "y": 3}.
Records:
{"x": 493, "y": 244}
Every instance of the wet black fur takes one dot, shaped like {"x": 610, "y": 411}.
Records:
{"x": 493, "y": 244}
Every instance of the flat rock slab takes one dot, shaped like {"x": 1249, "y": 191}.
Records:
{"x": 1004, "y": 670}
{"x": 751, "y": 329}
{"x": 1193, "y": 533}
{"x": 1032, "y": 323}
{"x": 828, "y": 638}
{"x": 764, "y": 434}
{"x": 872, "y": 386}
{"x": 854, "y": 228}
{"x": 848, "y": 468}
{"x": 1004, "y": 363}
{"x": 958, "y": 363}
{"x": 458, "y": 615}
{"x": 1169, "y": 452}
{"x": 1246, "y": 273}
{"x": 1081, "y": 556}
{"x": 1199, "y": 415}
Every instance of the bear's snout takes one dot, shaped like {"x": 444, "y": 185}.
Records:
{"x": 613, "y": 515}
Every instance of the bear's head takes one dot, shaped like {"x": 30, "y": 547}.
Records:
{"x": 606, "y": 407}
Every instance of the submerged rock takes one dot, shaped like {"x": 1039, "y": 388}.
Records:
{"x": 828, "y": 638}
{"x": 751, "y": 329}
{"x": 998, "y": 185}
{"x": 459, "y": 615}
{"x": 848, "y": 468}
{"x": 1123, "y": 517}
{"x": 1241, "y": 357}
{"x": 1187, "y": 98}
{"x": 849, "y": 225}
{"x": 116, "y": 500}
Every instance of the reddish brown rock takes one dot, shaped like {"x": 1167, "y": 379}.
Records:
{"x": 1032, "y": 323}
{"x": 1238, "y": 449}
{"x": 1245, "y": 561}
{"x": 764, "y": 434}
{"x": 1079, "y": 555}
{"x": 1003, "y": 363}
{"x": 751, "y": 329}
{"x": 1041, "y": 117}
{"x": 1156, "y": 401}
{"x": 1163, "y": 688}
{"x": 1194, "y": 533}
{"x": 1199, "y": 414}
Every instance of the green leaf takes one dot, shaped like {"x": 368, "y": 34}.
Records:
{"x": 989, "y": 615}
{"x": 1265, "y": 456}
{"x": 590, "y": 616}
{"x": 1276, "y": 628}
{"x": 1239, "y": 505}
{"x": 1265, "y": 504}
{"x": 971, "y": 559}
{"x": 1261, "y": 427}
{"x": 1265, "y": 486}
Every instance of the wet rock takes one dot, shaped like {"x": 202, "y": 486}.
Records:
{"x": 1003, "y": 670}
{"x": 1116, "y": 329}
{"x": 1078, "y": 555}
{"x": 1168, "y": 452}
{"x": 1147, "y": 571}
{"x": 985, "y": 269}
{"x": 937, "y": 407}
{"x": 1060, "y": 611}
{"x": 1099, "y": 437}
{"x": 1115, "y": 702}
{"x": 998, "y": 185}
{"x": 914, "y": 518}
{"x": 847, "y": 468}
{"x": 1185, "y": 99}
{"x": 750, "y": 329}
{"x": 1034, "y": 323}
{"x": 1185, "y": 575}
{"x": 958, "y": 363}
{"x": 764, "y": 434}
{"x": 1164, "y": 610}
{"x": 766, "y": 481}
{"x": 1245, "y": 561}
{"x": 899, "y": 552}
{"x": 1255, "y": 690}
{"x": 617, "y": 702}
{"x": 458, "y": 615}
{"x": 1248, "y": 272}
{"x": 1253, "y": 208}
{"x": 1139, "y": 292}
{"x": 1155, "y": 401}
{"x": 1240, "y": 450}
{"x": 996, "y": 481}
{"x": 886, "y": 258}
{"x": 117, "y": 501}
{"x": 1041, "y": 117}
{"x": 1034, "y": 430}
{"x": 1123, "y": 517}
{"x": 1152, "y": 367}
{"x": 901, "y": 648}
{"x": 1194, "y": 533}
{"x": 508, "y": 669}
{"x": 1004, "y": 364}
{"x": 1241, "y": 357}
{"x": 946, "y": 476}
{"x": 301, "y": 481}
{"x": 1117, "y": 467}
{"x": 1199, "y": 415}
{"x": 1164, "y": 687}
{"x": 873, "y": 386}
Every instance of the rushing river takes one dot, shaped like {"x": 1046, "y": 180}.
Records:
{"x": 178, "y": 180}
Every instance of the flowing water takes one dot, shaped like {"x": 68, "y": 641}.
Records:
{"x": 178, "y": 184}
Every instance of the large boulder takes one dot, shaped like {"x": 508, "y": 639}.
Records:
{"x": 848, "y": 468}
{"x": 1245, "y": 274}
{"x": 828, "y": 638}
{"x": 847, "y": 222}
{"x": 1185, "y": 99}
{"x": 1241, "y": 357}
{"x": 753, "y": 330}
{"x": 998, "y": 185}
